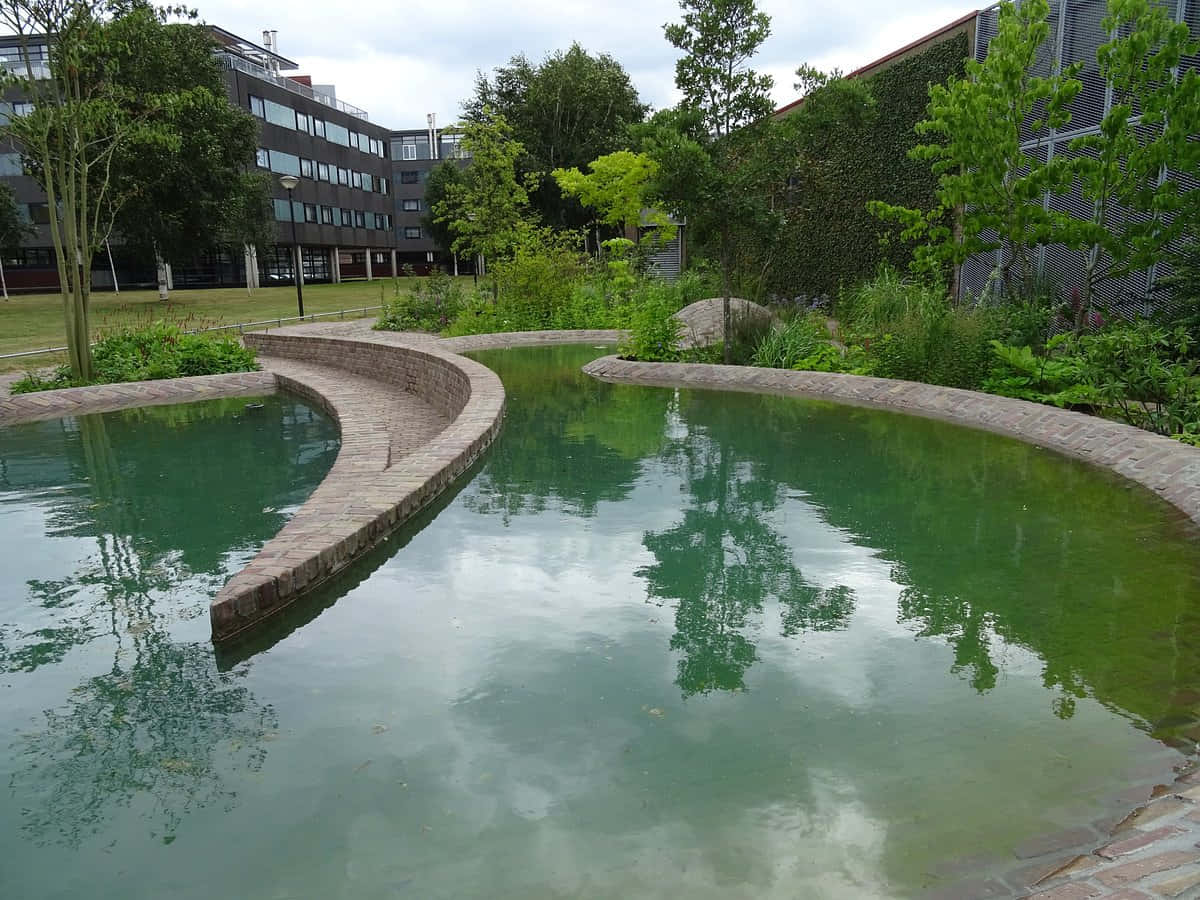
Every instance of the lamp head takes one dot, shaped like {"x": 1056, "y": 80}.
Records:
{"x": 289, "y": 182}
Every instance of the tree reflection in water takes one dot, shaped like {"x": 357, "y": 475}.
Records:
{"x": 172, "y": 500}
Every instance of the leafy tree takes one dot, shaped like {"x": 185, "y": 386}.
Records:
{"x": 1122, "y": 165}
{"x": 719, "y": 38}
{"x": 486, "y": 211}
{"x": 192, "y": 192}
{"x": 618, "y": 188}
{"x": 990, "y": 190}
{"x": 13, "y": 229}
{"x": 566, "y": 111}
{"x": 437, "y": 190}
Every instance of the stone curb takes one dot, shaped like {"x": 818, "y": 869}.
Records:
{"x": 367, "y": 494}
{"x": 1165, "y": 466}
{"x": 109, "y": 397}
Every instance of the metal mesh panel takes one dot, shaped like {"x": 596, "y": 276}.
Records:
{"x": 985, "y": 30}
{"x": 1082, "y": 36}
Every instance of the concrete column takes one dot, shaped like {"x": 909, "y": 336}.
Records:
{"x": 334, "y": 275}
{"x": 369, "y": 275}
{"x": 393, "y": 263}
{"x": 337, "y": 266}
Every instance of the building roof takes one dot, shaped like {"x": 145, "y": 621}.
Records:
{"x": 871, "y": 67}
{"x": 248, "y": 49}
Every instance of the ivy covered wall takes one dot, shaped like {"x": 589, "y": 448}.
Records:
{"x": 829, "y": 238}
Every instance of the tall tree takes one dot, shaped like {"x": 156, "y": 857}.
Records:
{"x": 437, "y": 190}
{"x": 617, "y": 189}
{"x": 485, "y": 212}
{"x": 566, "y": 111}
{"x": 991, "y": 188}
{"x": 1148, "y": 132}
{"x": 199, "y": 190}
{"x": 14, "y": 229}
{"x": 710, "y": 151}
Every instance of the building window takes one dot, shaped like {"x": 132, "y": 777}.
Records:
{"x": 380, "y": 222}
{"x": 383, "y": 185}
{"x": 29, "y": 258}
{"x": 336, "y": 134}
{"x": 318, "y": 127}
{"x": 360, "y": 219}
{"x": 368, "y": 181}
{"x": 408, "y": 177}
{"x": 256, "y": 106}
{"x": 310, "y": 213}
{"x": 326, "y": 215}
{"x": 306, "y": 168}
{"x": 376, "y": 147}
{"x": 39, "y": 213}
{"x": 411, "y": 205}
{"x": 322, "y": 171}
{"x": 278, "y": 114}
{"x": 347, "y": 218}
{"x": 11, "y": 164}
{"x": 412, "y": 232}
{"x": 408, "y": 151}
{"x": 356, "y": 179}
{"x": 304, "y": 122}
{"x": 343, "y": 176}
{"x": 262, "y": 158}
{"x": 284, "y": 163}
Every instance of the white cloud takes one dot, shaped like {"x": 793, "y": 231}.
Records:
{"x": 400, "y": 62}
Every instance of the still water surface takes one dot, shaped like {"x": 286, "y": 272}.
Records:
{"x": 660, "y": 644}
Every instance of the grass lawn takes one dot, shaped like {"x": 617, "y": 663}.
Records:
{"x": 34, "y": 321}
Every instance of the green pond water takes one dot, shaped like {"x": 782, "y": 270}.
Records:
{"x": 658, "y": 644}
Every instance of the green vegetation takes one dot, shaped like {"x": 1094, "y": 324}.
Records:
{"x": 34, "y": 321}
{"x": 156, "y": 350}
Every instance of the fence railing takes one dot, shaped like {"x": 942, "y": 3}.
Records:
{"x": 277, "y": 322}
{"x": 242, "y": 65}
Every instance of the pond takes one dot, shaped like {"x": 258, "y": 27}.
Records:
{"x": 658, "y": 643}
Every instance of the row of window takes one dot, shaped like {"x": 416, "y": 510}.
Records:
{"x": 416, "y": 146}
{"x": 290, "y": 164}
{"x": 286, "y": 117}
{"x": 331, "y": 215}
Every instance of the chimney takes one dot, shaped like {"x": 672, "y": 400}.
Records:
{"x": 267, "y": 39}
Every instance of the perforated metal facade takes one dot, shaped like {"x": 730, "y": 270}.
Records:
{"x": 1076, "y": 32}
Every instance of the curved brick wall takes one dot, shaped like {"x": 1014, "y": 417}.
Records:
{"x": 1167, "y": 467}
{"x": 366, "y": 494}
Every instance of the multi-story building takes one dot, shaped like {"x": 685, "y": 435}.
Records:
{"x": 342, "y": 203}
{"x": 415, "y": 153}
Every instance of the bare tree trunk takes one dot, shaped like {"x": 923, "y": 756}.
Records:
{"x": 726, "y": 314}
{"x": 160, "y": 266}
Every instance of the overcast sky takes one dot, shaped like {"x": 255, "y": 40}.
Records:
{"x": 402, "y": 60}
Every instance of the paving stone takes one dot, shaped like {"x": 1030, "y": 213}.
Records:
{"x": 1068, "y": 892}
{"x": 1140, "y": 817}
{"x": 1136, "y": 842}
{"x": 1140, "y": 868}
{"x": 1177, "y": 887}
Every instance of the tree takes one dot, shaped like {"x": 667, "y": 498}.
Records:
{"x": 566, "y": 111}
{"x": 710, "y": 152}
{"x": 991, "y": 191}
{"x": 195, "y": 193}
{"x": 437, "y": 190}
{"x": 1149, "y": 130}
{"x": 13, "y": 229}
{"x": 617, "y": 188}
{"x": 719, "y": 38}
{"x": 485, "y": 211}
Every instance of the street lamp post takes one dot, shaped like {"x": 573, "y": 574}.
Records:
{"x": 289, "y": 183}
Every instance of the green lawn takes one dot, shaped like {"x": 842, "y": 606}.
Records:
{"x": 34, "y": 321}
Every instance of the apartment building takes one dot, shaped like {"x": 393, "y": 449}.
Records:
{"x": 415, "y": 153}
{"x": 343, "y": 204}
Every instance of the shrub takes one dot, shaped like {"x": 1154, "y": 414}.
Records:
{"x": 874, "y": 305}
{"x": 785, "y": 345}
{"x": 1054, "y": 376}
{"x": 654, "y": 332}
{"x": 151, "y": 352}
{"x": 431, "y": 305}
